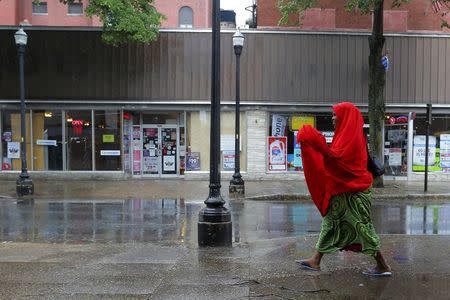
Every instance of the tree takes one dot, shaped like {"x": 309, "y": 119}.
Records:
{"x": 125, "y": 20}
{"x": 377, "y": 77}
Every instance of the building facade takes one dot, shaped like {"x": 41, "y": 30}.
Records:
{"x": 416, "y": 16}
{"x": 179, "y": 14}
{"x": 143, "y": 110}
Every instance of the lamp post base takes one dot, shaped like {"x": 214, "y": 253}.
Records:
{"x": 24, "y": 186}
{"x": 237, "y": 186}
{"x": 215, "y": 227}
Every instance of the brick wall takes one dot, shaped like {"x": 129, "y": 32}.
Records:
{"x": 201, "y": 9}
{"x": 12, "y": 12}
{"x": 8, "y": 12}
{"x": 415, "y": 16}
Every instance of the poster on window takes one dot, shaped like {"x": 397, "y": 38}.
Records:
{"x": 193, "y": 161}
{"x": 297, "y": 153}
{"x": 395, "y": 156}
{"x": 150, "y": 165}
{"x": 228, "y": 159}
{"x": 277, "y": 153}
{"x": 136, "y": 150}
{"x": 278, "y": 125}
{"x": 13, "y": 150}
{"x": 297, "y": 122}
{"x": 419, "y": 150}
{"x": 169, "y": 163}
{"x": 445, "y": 151}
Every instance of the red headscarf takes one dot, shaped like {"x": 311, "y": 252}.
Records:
{"x": 340, "y": 168}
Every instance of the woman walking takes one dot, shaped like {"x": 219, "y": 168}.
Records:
{"x": 341, "y": 187}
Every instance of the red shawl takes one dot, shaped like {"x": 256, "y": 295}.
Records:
{"x": 340, "y": 168}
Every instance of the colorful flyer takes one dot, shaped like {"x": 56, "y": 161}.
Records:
{"x": 277, "y": 153}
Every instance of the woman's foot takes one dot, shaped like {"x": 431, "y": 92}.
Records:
{"x": 312, "y": 263}
{"x": 308, "y": 264}
{"x": 381, "y": 269}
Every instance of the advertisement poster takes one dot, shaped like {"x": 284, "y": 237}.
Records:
{"x": 277, "y": 156}
{"x": 297, "y": 153}
{"x": 136, "y": 150}
{"x": 278, "y": 125}
{"x": 419, "y": 150}
{"x": 395, "y": 156}
{"x": 297, "y": 122}
{"x": 7, "y": 136}
{"x": 193, "y": 161}
{"x": 13, "y": 150}
{"x": 108, "y": 138}
{"x": 328, "y": 136}
{"x": 169, "y": 163}
{"x": 445, "y": 151}
{"x": 228, "y": 159}
{"x": 150, "y": 165}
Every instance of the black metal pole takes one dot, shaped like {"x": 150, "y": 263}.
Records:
{"x": 214, "y": 224}
{"x": 428, "y": 123}
{"x": 24, "y": 184}
{"x": 237, "y": 183}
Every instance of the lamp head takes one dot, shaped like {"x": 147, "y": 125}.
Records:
{"x": 238, "y": 42}
{"x": 21, "y": 37}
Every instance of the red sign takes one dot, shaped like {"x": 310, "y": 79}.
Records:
{"x": 277, "y": 153}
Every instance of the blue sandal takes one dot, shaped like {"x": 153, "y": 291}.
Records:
{"x": 304, "y": 265}
{"x": 373, "y": 273}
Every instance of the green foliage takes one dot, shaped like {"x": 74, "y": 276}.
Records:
{"x": 125, "y": 20}
{"x": 289, "y": 7}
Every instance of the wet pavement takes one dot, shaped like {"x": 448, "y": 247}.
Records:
{"x": 175, "y": 220}
{"x": 147, "y": 249}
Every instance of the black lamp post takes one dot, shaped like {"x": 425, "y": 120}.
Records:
{"x": 237, "y": 186}
{"x": 24, "y": 184}
{"x": 214, "y": 221}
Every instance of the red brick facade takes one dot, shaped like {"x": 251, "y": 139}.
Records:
{"x": 12, "y": 12}
{"x": 415, "y": 16}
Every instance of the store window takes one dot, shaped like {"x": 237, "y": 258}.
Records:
{"x": 285, "y": 128}
{"x": 438, "y": 143}
{"x": 47, "y": 140}
{"x": 39, "y": 7}
{"x": 186, "y": 17}
{"x": 79, "y": 140}
{"x": 11, "y": 133}
{"x": 198, "y": 150}
{"x": 107, "y": 140}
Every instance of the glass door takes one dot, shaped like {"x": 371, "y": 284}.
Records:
{"x": 396, "y": 149}
{"x": 169, "y": 150}
{"x": 151, "y": 150}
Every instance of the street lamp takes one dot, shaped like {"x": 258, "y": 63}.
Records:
{"x": 24, "y": 184}
{"x": 237, "y": 186}
{"x": 214, "y": 221}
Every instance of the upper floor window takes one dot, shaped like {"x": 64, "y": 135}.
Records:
{"x": 186, "y": 17}
{"x": 75, "y": 8}
{"x": 39, "y": 7}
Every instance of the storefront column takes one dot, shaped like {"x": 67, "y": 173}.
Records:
{"x": 257, "y": 128}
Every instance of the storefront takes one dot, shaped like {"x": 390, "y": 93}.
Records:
{"x": 137, "y": 143}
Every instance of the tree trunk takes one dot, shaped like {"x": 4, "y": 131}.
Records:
{"x": 377, "y": 81}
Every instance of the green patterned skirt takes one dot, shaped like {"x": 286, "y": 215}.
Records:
{"x": 347, "y": 225}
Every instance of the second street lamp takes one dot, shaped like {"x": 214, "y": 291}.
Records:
{"x": 24, "y": 184}
{"x": 237, "y": 186}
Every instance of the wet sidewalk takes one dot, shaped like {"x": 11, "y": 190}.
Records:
{"x": 198, "y": 190}
{"x": 147, "y": 249}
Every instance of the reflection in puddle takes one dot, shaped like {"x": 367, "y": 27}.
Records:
{"x": 176, "y": 220}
